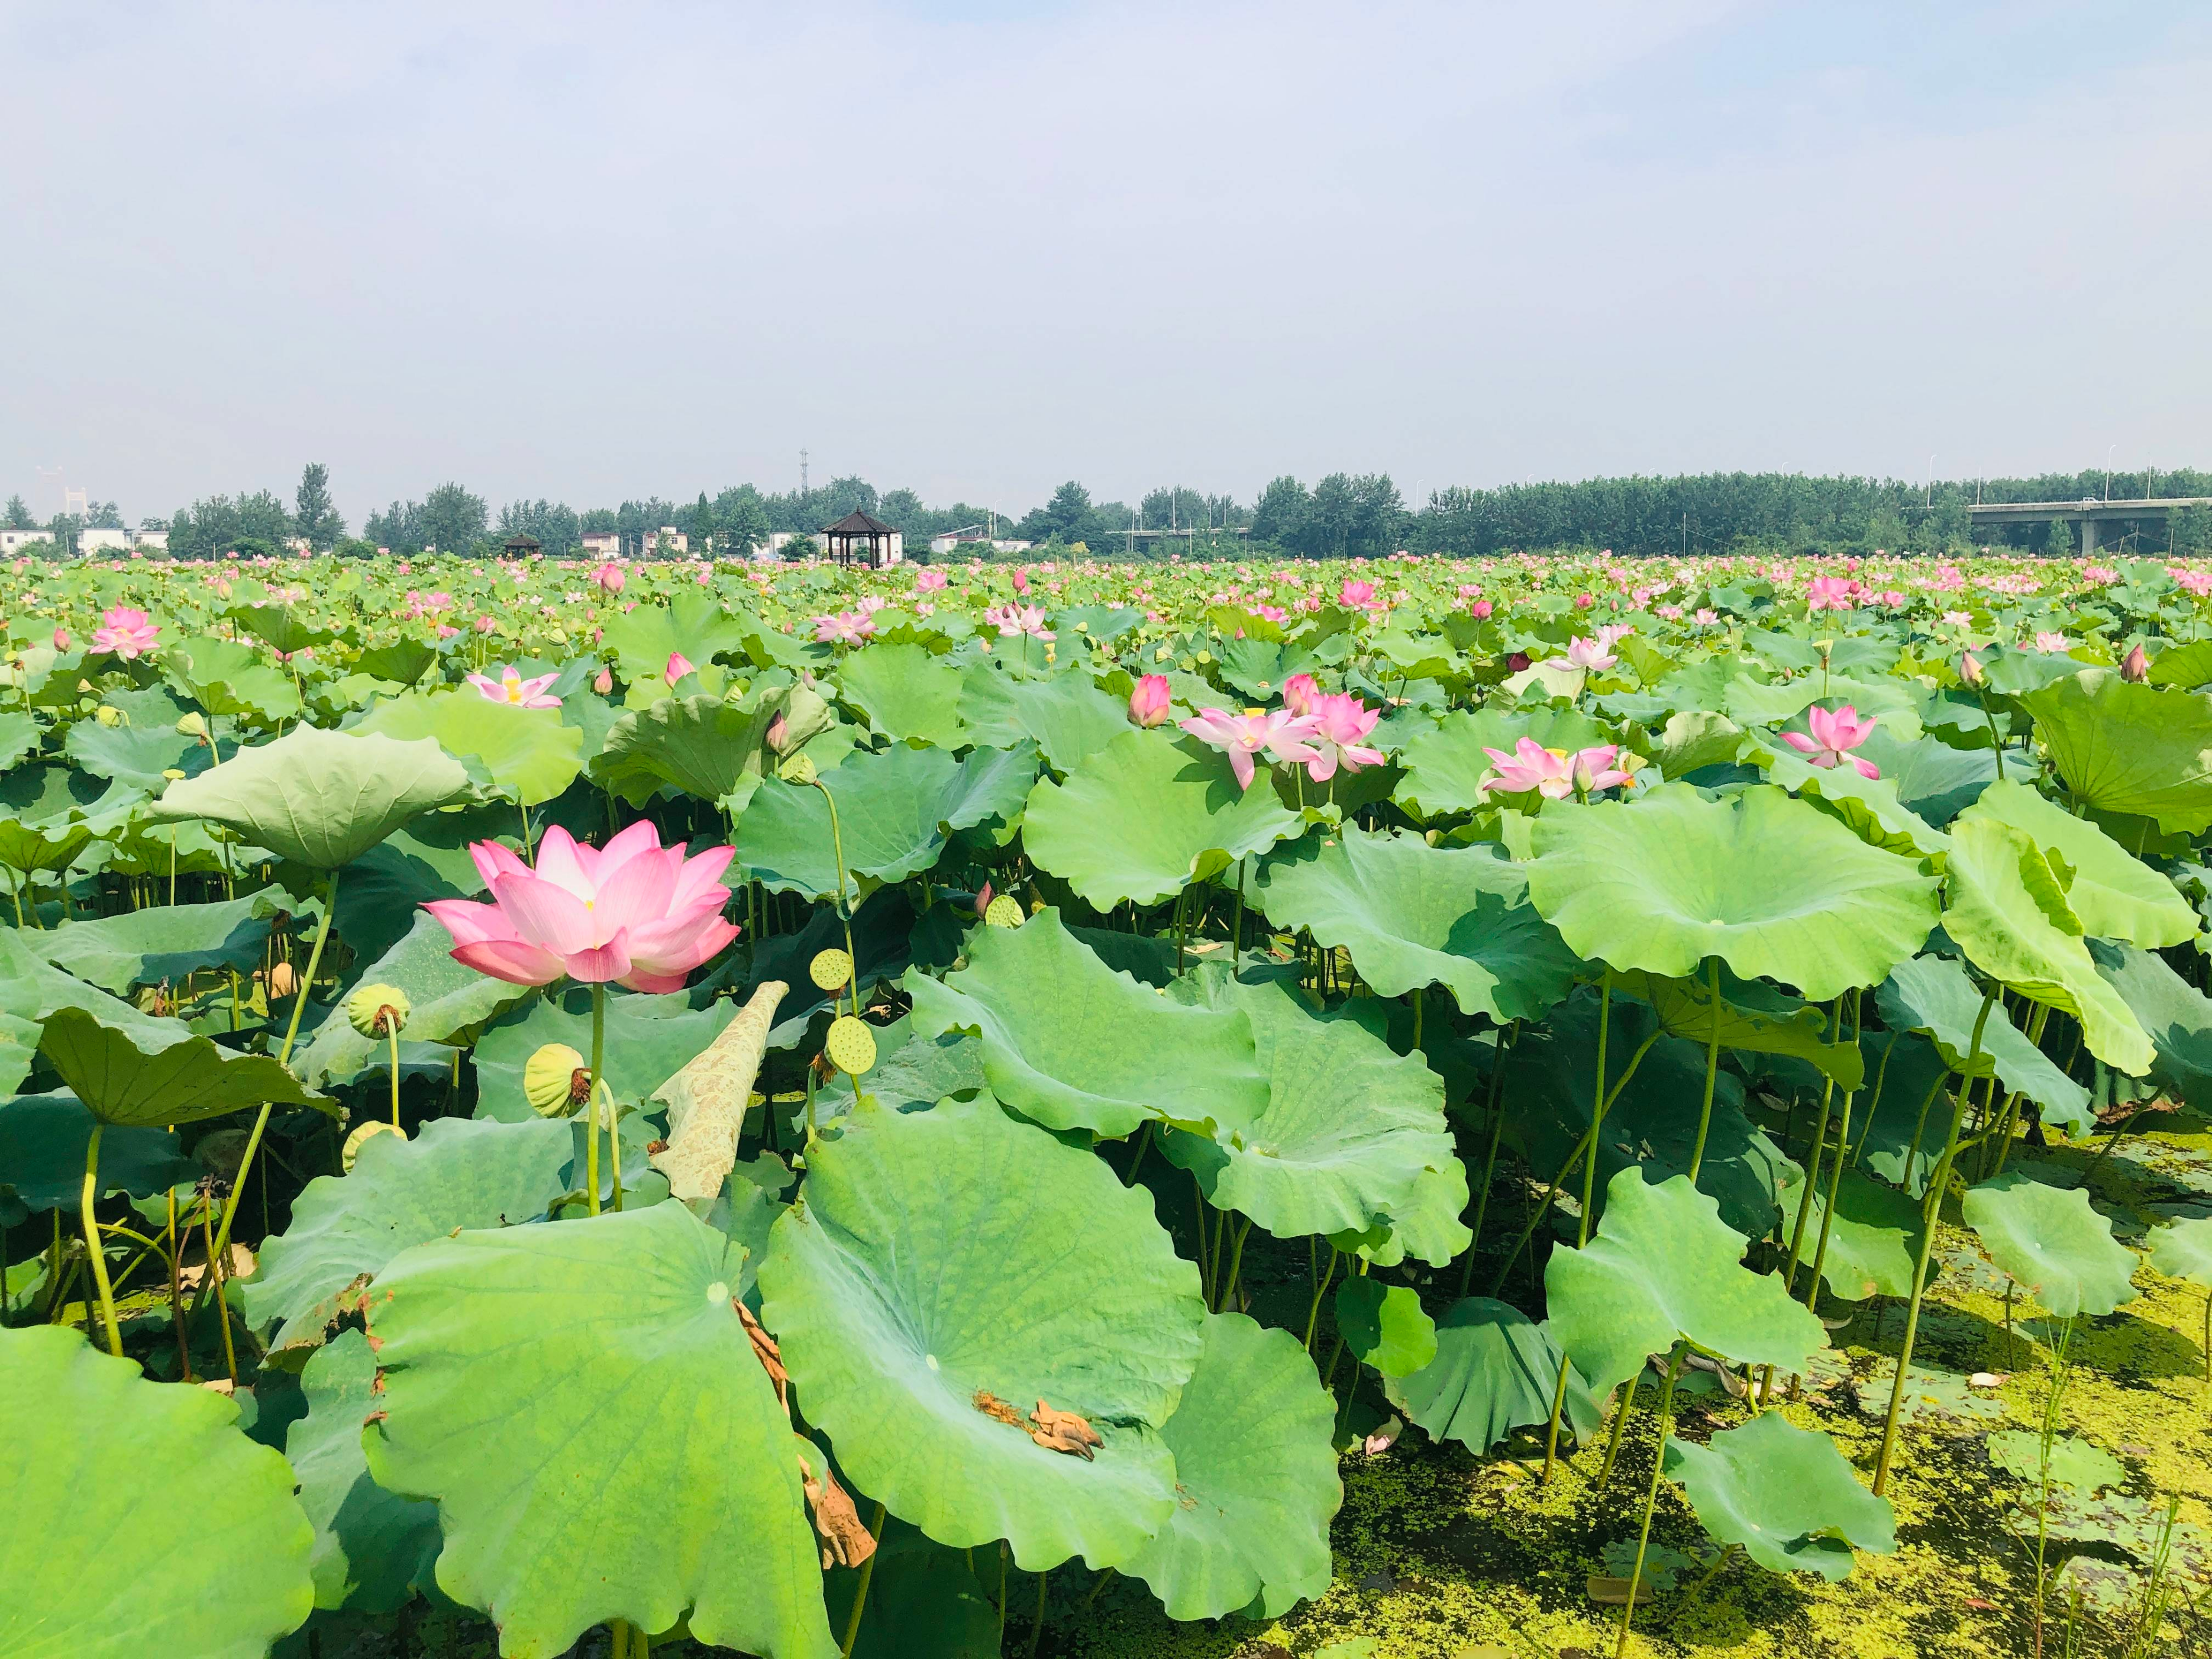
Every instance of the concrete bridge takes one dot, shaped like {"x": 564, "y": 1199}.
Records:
{"x": 2088, "y": 512}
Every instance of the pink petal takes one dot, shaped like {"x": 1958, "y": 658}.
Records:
{"x": 1240, "y": 762}
{"x": 702, "y": 875}
{"x": 678, "y": 947}
{"x": 657, "y": 984}
{"x": 636, "y": 893}
{"x": 511, "y": 960}
{"x": 1800, "y": 742}
{"x": 558, "y": 863}
{"x": 494, "y": 861}
{"x": 640, "y": 837}
{"x": 1323, "y": 767}
{"x": 598, "y": 963}
{"x": 469, "y": 922}
{"x": 1867, "y": 767}
{"x": 546, "y": 914}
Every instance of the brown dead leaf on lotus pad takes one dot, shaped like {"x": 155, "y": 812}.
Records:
{"x": 707, "y": 1100}
{"x": 845, "y": 1541}
{"x": 1063, "y": 1431}
{"x": 991, "y": 1406}
{"x": 769, "y": 1353}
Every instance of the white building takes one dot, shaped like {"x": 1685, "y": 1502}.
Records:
{"x": 602, "y": 543}
{"x": 103, "y": 541}
{"x": 12, "y": 540}
{"x": 150, "y": 541}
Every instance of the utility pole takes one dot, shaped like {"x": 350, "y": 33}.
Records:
{"x": 804, "y": 489}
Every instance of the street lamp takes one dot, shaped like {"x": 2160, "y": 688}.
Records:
{"x": 2109, "y": 448}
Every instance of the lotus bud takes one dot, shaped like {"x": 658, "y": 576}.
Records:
{"x": 605, "y": 682}
{"x": 798, "y": 770}
{"x": 1148, "y": 703}
{"x": 379, "y": 1011}
{"x": 555, "y": 1080}
{"x": 983, "y": 899}
{"x": 678, "y": 666}
{"x": 108, "y": 715}
{"x": 193, "y": 724}
{"x": 282, "y": 979}
{"x": 804, "y": 715}
{"x": 1004, "y": 911}
{"x": 2137, "y": 668}
{"x": 350, "y": 1154}
{"x": 61, "y": 639}
{"x": 1971, "y": 672}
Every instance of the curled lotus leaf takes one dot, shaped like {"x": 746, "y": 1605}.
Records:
{"x": 2115, "y": 895}
{"x": 944, "y": 1258}
{"x": 374, "y": 1550}
{"x": 1384, "y": 1325}
{"x": 125, "y": 1075}
{"x": 1494, "y": 1371}
{"x": 1774, "y": 888}
{"x": 1936, "y": 996}
{"x": 2133, "y": 748}
{"x": 2178, "y": 1016}
{"x": 2058, "y": 1249}
{"x": 1784, "y": 1494}
{"x": 2184, "y": 1251}
{"x": 708, "y": 1098}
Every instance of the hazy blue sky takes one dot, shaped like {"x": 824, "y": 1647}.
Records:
{"x": 592, "y": 251}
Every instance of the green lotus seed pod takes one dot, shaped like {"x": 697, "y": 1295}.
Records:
{"x": 851, "y": 1045}
{"x": 377, "y": 1010}
{"x": 830, "y": 971}
{"x": 555, "y": 1080}
{"x": 798, "y": 770}
{"x": 361, "y": 1137}
{"x": 1005, "y": 911}
{"x": 193, "y": 724}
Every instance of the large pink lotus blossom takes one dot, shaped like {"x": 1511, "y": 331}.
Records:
{"x": 1356, "y": 595}
{"x": 1552, "y": 772}
{"x": 1590, "y": 655}
{"x": 1299, "y": 692}
{"x": 1279, "y": 735}
{"x": 1832, "y": 593}
{"x": 511, "y": 688}
{"x": 127, "y": 632}
{"x": 634, "y": 912}
{"x": 1148, "y": 701}
{"x": 844, "y": 627}
{"x": 1019, "y": 619}
{"x": 1834, "y": 736}
{"x": 929, "y": 581}
{"x": 1339, "y": 722}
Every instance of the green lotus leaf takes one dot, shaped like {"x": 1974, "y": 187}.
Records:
{"x": 1888, "y": 703}
{"x": 2074, "y": 1463}
{"x": 449, "y": 1002}
{"x": 1750, "y": 1018}
{"x": 2058, "y": 1249}
{"x": 908, "y": 694}
{"x": 923, "y": 1602}
{"x": 85, "y": 1572}
{"x": 1428, "y": 1225}
{"x": 124, "y": 1079}
{"x": 1145, "y": 817}
{"x": 165, "y": 943}
{"x": 1255, "y": 1480}
{"x": 692, "y": 625}
{"x": 403, "y": 661}
{"x": 373, "y": 1551}
{"x": 912, "y": 1071}
{"x": 2183, "y": 1249}
{"x": 1693, "y": 740}
{"x": 1384, "y": 1326}
{"x": 1347, "y": 1128}
{"x": 1784, "y": 1494}
{"x": 34, "y": 848}
{"x": 1938, "y": 781}
{"x": 2115, "y": 896}
{"x": 531, "y": 753}
{"x": 2127, "y": 748}
{"x": 42, "y": 1146}
{"x": 2008, "y": 913}
{"x": 895, "y": 811}
{"x": 139, "y": 756}
{"x": 1445, "y": 767}
{"x": 1936, "y": 995}
{"x": 1663, "y": 1264}
{"x": 1494, "y": 1371}
{"x": 279, "y": 627}
{"x": 1899, "y": 1124}
{"x": 1869, "y": 806}
{"x": 456, "y": 1172}
{"x": 584, "y": 1404}
{"x": 1073, "y": 1044}
{"x": 21, "y": 734}
{"x": 1772, "y": 886}
{"x": 702, "y": 745}
{"x": 943, "y": 1253}
{"x": 2178, "y": 1016}
{"x": 648, "y": 1039}
{"x": 320, "y": 799}
{"x": 228, "y": 677}
{"x": 1413, "y": 915}
{"x": 1873, "y": 1243}
{"x": 31, "y": 989}
{"x": 1066, "y": 715}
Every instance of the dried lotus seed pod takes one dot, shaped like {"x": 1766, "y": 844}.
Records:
{"x": 379, "y": 1011}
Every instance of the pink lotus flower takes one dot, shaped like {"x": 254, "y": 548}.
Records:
{"x": 678, "y": 666}
{"x": 1834, "y": 736}
{"x": 635, "y": 912}
{"x": 1480, "y": 609}
{"x": 928, "y": 581}
{"x": 61, "y": 639}
{"x": 1589, "y": 655}
{"x": 1148, "y": 703}
{"x": 845, "y": 628}
{"x": 610, "y": 577}
{"x": 1832, "y": 593}
{"x": 1706, "y": 617}
{"x": 2046, "y": 641}
{"x": 1279, "y": 735}
{"x": 1019, "y": 619}
{"x": 1552, "y": 772}
{"x": 127, "y": 632}
{"x": 1338, "y": 721}
{"x": 1357, "y": 596}
{"x": 511, "y": 688}
{"x": 1299, "y": 692}
{"x": 2137, "y": 668}
{"x": 605, "y": 682}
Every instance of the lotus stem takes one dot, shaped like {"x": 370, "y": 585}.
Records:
{"x": 261, "y": 1121}
{"x": 591, "y": 1100}
{"x": 1835, "y": 1178}
{"x": 393, "y": 1031}
{"x": 1933, "y": 1215}
{"x": 1490, "y": 1158}
{"x": 1651, "y": 1498}
{"x": 1036, "y": 1631}
{"x": 1619, "y": 1431}
{"x": 1313, "y": 1312}
{"x": 1599, "y": 1101}
{"x": 868, "y": 1571}
{"x": 1712, "y": 1072}
{"x": 91, "y": 1239}
{"x": 1228, "y": 1287}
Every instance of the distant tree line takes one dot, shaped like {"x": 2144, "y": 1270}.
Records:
{"x": 1340, "y": 515}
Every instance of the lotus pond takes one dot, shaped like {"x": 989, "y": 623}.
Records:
{"x": 1541, "y": 1106}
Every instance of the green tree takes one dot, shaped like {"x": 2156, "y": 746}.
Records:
{"x": 2192, "y": 530}
{"x": 1064, "y": 518}
{"x": 452, "y": 519}
{"x": 16, "y": 515}
{"x": 103, "y": 515}
{"x": 741, "y": 519}
{"x": 1281, "y": 514}
{"x": 312, "y": 509}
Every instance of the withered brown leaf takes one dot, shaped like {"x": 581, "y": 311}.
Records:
{"x": 1063, "y": 1431}
{"x": 770, "y": 1356}
{"x": 845, "y": 1541}
{"x": 991, "y": 1406}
